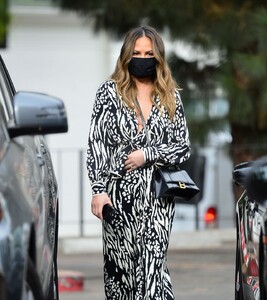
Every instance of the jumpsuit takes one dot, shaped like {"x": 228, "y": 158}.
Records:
{"x": 135, "y": 242}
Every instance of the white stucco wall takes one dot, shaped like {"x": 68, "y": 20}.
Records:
{"x": 58, "y": 53}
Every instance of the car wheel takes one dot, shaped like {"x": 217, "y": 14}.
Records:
{"x": 238, "y": 273}
{"x": 33, "y": 289}
{"x": 261, "y": 271}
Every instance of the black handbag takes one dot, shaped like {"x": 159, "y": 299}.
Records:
{"x": 170, "y": 182}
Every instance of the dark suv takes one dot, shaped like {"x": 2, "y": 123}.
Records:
{"x": 28, "y": 193}
{"x": 251, "y": 248}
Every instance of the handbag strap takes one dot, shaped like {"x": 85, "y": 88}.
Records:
{"x": 144, "y": 122}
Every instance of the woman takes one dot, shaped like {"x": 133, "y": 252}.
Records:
{"x": 120, "y": 166}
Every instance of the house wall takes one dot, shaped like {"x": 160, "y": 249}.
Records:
{"x": 59, "y": 54}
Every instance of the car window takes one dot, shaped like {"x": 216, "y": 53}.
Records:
{"x": 5, "y": 95}
{"x": 3, "y": 138}
{"x": 2, "y": 100}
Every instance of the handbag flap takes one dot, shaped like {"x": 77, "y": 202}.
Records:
{"x": 176, "y": 176}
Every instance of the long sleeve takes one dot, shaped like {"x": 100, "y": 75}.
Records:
{"x": 177, "y": 148}
{"x": 98, "y": 152}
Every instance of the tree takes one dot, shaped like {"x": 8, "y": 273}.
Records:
{"x": 237, "y": 29}
{"x": 4, "y": 20}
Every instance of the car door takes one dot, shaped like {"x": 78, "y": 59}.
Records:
{"x": 250, "y": 231}
{"x": 31, "y": 191}
{"x": 16, "y": 190}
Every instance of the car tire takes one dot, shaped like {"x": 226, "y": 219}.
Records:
{"x": 3, "y": 292}
{"x": 33, "y": 286}
{"x": 238, "y": 272}
{"x": 263, "y": 293}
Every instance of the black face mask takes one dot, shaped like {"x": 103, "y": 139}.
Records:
{"x": 142, "y": 67}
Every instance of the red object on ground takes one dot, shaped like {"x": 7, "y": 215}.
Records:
{"x": 70, "y": 281}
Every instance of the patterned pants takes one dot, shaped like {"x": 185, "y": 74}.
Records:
{"x": 135, "y": 243}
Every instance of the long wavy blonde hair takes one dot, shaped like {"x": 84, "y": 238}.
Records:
{"x": 164, "y": 84}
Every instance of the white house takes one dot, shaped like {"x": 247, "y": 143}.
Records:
{"x": 58, "y": 53}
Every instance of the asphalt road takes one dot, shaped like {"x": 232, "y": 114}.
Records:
{"x": 203, "y": 274}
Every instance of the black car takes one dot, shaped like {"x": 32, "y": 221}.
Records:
{"x": 251, "y": 224}
{"x": 28, "y": 193}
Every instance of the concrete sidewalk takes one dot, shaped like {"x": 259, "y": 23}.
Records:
{"x": 202, "y": 239}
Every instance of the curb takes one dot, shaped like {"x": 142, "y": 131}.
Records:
{"x": 201, "y": 239}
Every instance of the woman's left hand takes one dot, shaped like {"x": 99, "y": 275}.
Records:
{"x": 135, "y": 159}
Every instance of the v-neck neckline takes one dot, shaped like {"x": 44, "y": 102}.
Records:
{"x": 146, "y": 121}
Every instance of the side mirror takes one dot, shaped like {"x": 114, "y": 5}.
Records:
{"x": 256, "y": 182}
{"x": 38, "y": 114}
{"x": 241, "y": 172}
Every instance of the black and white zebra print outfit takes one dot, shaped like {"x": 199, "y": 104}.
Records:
{"x": 135, "y": 242}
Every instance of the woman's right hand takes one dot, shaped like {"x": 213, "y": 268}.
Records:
{"x": 98, "y": 201}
